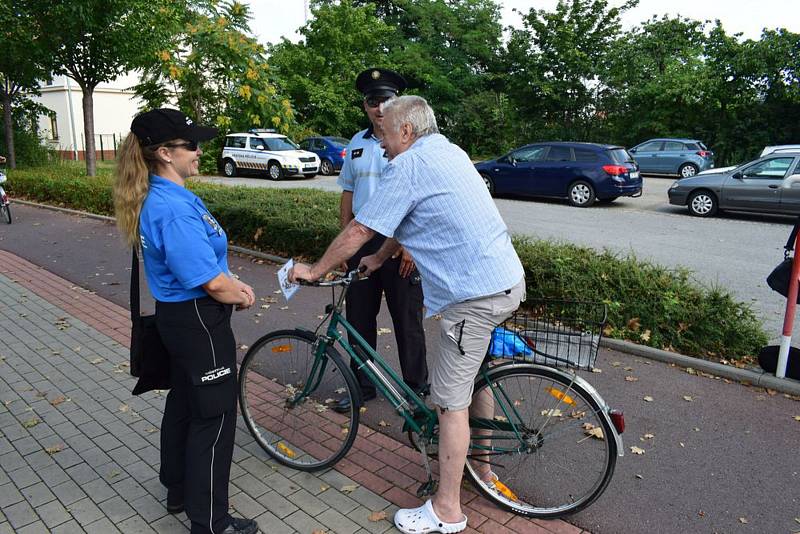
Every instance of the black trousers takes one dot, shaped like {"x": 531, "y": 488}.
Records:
{"x": 404, "y": 299}
{"x": 199, "y": 424}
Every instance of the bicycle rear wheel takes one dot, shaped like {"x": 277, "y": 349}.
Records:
{"x": 6, "y": 213}
{"x": 285, "y": 392}
{"x": 565, "y": 449}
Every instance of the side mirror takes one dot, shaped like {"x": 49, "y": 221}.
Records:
{"x": 737, "y": 175}
{"x": 792, "y": 182}
{"x": 259, "y": 147}
{"x": 632, "y": 150}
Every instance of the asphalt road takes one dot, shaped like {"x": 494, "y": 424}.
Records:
{"x": 735, "y": 250}
{"x": 724, "y": 461}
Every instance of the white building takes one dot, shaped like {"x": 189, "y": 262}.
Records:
{"x": 115, "y": 105}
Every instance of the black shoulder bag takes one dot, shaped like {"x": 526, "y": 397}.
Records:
{"x": 149, "y": 356}
{"x": 778, "y": 279}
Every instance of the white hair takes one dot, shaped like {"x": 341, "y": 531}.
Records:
{"x": 413, "y": 110}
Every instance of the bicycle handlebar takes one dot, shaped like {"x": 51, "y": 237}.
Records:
{"x": 342, "y": 280}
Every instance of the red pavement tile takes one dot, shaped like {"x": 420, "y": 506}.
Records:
{"x": 495, "y": 528}
{"x": 401, "y": 498}
{"x": 490, "y": 510}
{"x": 474, "y": 519}
{"x": 372, "y": 482}
{"x": 396, "y": 478}
{"x": 526, "y": 526}
{"x": 557, "y": 527}
{"x": 391, "y": 458}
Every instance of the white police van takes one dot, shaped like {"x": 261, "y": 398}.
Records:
{"x": 264, "y": 151}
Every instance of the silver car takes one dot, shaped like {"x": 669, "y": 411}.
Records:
{"x": 770, "y": 184}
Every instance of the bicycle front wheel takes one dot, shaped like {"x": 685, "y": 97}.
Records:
{"x": 6, "y": 213}
{"x": 544, "y": 439}
{"x": 286, "y": 391}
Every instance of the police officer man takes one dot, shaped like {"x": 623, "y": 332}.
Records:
{"x": 398, "y": 278}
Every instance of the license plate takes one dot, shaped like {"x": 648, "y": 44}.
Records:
{"x": 634, "y": 175}
{"x": 309, "y": 168}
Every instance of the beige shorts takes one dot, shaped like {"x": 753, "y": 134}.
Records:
{"x": 465, "y": 332}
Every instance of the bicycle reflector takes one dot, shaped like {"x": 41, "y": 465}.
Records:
{"x": 286, "y": 450}
{"x": 282, "y": 348}
{"x": 560, "y": 395}
{"x": 618, "y": 420}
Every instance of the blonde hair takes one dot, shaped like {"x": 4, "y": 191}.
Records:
{"x": 131, "y": 184}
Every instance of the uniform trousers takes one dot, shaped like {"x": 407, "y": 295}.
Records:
{"x": 199, "y": 424}
{"x": 404, "y": 300}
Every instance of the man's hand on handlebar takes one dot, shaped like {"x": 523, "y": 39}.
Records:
{"x": 369, "y": 264}
{"x": 301, "y": 271}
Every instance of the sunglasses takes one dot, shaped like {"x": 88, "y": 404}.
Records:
{"x": 191, "y": 146}
{"x": 375, "y": 101}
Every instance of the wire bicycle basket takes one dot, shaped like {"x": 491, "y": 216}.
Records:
{"x": 556, "y": 333}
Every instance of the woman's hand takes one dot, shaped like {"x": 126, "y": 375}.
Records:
{"x": 248, "y": 295}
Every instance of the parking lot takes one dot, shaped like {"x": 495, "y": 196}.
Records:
{"x": 733, "y": 250}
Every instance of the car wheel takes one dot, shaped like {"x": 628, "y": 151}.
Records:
{"x": 229, "y": 168}
{"x": 581, "y": 194}
{"x": 274, "y": 170}
{"x": 326, "y": 167}
{"x": 687, "y": 170}
{"x": 489, "y": 184}
{"x": 702, "y": 204}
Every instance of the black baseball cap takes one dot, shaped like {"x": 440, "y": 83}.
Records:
{"x": 164, "y": 124}
{"x": 380, "y": 82}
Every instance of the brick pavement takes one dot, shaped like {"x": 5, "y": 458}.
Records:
{"x": 78, "y": 453}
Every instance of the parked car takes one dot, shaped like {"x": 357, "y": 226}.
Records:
{"x": 579, "y": 172}
{"x": 264, "y": 151}
{"x": 778, "y": 148}
{"x": 770, "y": 185}
{"x": 331, "y": 152}
{"x": 684, "y": 157}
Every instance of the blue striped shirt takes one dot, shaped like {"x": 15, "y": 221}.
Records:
{"x": 434, "y": 202}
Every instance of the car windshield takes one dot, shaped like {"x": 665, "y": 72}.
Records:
{"x": 620, "y": 156}
{"x": 339, "y": 142}
{"x": 278, "y": 143}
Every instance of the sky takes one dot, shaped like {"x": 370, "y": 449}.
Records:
{"x": 273, "y": 19}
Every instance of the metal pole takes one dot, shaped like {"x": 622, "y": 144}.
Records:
{"x": 102, "y": 152}
{"x": 114, "y": 139}
{"x": 788, "y": 319}
{"x": 72, "y": 120}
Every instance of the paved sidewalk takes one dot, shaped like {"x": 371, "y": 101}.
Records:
{"x": 78, "y": 453}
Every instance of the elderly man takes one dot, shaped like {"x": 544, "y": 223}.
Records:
{"x": 436, "y": 205}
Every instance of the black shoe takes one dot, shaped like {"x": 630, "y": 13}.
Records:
{"x": 343, "y": 405}
{"x": 174, "y": 501}
{"x": 240, "y": 525}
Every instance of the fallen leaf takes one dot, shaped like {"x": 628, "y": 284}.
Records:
{"x": 124, "y": 408}
{"x": 349, "y": 488}
{"x": 797, "y": 417}
{"x": 324, "y": 487}
{"x": 265, "y": 306}
{"x": 58, "y": 400}
{"x": 629, "y": 368}
{"x": 383, "y": 423}
{"x": 634, "y": 324}
{"x": 277, "y": 291}
{"x": 377, "y": 516}
{"x": 640, "y": 477}
{"x": 688, "y": 398}
{"x": 597, "y": 370}
{"x": 243, "y": 347}
{"x": 319, "y": 531}
{"x": 637, "y": 450}
{"x": 743, "y": 520}
{"x": 284, "y": 307}
{"x": 631, "y": 379}
{"x": 648, "y": 436}
{"x": 696, "y": 429}
{"x": 363, "y": 409}
{"x": 681, "y": 444}
{"x": 339, "y": 391}
{"x": 151, "y": 430}
{"x": 616, "y": 364}
{"x": 54, "y": 449}
{"x": 30, "y": 423}
{"x": 691, "y": 371}
{"x": 555, "y": 412}
{"x": 645, "y": 336}
{"x": 701, "y": 513}
{"x": 648, "y": 398}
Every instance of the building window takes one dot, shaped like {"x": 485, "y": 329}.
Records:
{"x": 54, "y": 127}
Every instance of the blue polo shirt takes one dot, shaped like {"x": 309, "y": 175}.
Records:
{"x": 183, "y": 246}
{"x": 362, "y": 167}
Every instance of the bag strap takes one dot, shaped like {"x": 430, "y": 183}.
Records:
{"x": 135, "y": 309}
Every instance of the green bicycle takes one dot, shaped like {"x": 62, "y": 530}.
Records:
{"x": 543, "y": 442}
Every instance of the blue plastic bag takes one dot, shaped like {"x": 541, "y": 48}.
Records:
{"x": 507, "y": 344}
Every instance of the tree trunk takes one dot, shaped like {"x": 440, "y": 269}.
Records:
{"x": 9, "y": 130}
{"x": 88, "y": 129}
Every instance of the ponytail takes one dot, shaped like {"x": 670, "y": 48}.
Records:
{"x": 131, "y": 184}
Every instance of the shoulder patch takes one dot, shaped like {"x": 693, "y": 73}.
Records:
{"x": 356, "y": 153}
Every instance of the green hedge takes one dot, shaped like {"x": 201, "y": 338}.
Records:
{"x": 647, "y": 303}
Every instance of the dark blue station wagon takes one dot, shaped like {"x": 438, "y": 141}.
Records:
{"x": 580, "y": 172}
{"x": 331, "y": 151}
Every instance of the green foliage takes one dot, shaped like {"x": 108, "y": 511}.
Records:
{"x": 30, "y": 152}
{"x": 647, "y": 303}
{"x": 217, "y": 73}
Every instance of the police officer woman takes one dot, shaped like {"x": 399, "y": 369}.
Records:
{"x": 184, "y": 251}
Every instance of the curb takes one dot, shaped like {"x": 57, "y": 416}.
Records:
{"x": 753, "y": 377}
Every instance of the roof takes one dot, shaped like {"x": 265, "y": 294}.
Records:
{"x": 255, "y": 133}
{"x": 576, "y": 144}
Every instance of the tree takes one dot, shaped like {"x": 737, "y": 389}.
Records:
{"x": 215, "y": 71}
{"x": 24, "y": 61}
{"x": 319, "y": 72}
{"x": 94, "y": 41}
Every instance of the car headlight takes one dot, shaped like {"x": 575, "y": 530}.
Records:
{"x": 674, "y": 184}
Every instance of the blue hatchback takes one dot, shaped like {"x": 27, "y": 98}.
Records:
{"x": 331, "y": 151}
{"x": 580, "y": 172}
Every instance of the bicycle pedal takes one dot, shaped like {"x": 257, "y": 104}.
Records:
{"x": 426, "y": 489}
